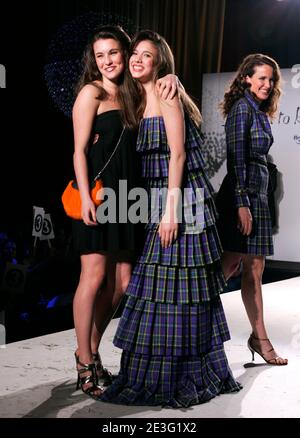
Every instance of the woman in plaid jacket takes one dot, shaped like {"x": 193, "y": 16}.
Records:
{"x": 244, "y": 223}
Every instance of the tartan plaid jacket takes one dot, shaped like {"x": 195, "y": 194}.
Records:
{"x": 248, "y": 139}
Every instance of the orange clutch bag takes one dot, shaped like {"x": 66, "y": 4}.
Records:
{"x": 72, "y": 201}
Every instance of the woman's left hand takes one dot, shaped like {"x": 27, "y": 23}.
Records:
{"x": 168, "y": 232}
{"x": 244, "y": 220}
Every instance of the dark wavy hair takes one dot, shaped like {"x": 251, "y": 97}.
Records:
{"x": 164, "y": 65}
{"x": 239, "y": 85}
{"x": 127, "y": 90}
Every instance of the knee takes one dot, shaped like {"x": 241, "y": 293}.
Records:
{"x": 230, "y": 264}
{"x": 235, "y": 265}
{"x": 94, "y": 276}
{"x": 124, "y": 284}
{"x": 118, "y": 287}
{"x": 254, "y": 269}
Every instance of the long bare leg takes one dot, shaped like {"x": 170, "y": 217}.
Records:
{"x": 118, "y": 276}
{"x": 253, "y": 267}
{"x": 93, "y": 268}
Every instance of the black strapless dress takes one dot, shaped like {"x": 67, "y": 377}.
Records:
{"x": 111, "y": 237}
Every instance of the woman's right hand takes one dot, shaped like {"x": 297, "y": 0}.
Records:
{"x": 167, "y": 231}
{"x": 88, "y": 211}
{"x": 244, "y": 220}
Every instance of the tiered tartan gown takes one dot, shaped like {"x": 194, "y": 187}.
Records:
{"x": 173, "y": 326}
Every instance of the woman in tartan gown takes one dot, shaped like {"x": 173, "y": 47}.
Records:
{"x": 173, "y": 326}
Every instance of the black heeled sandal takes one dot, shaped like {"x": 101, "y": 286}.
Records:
{"x": 88, "y": 383}
{"x": 269, "y": 356}
{"x": 103, "y": 374}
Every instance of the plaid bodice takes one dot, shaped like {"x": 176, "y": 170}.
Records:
{"x": 153, "y": 145}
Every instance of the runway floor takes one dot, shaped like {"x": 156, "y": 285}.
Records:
{"x": 37, "y": 378}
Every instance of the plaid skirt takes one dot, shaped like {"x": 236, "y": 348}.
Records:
{"x": 260, "y": 241}
{"x": 173, "y": 326}
{"x": 171, "y": 381}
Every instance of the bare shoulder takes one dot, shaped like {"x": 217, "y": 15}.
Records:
{"x": 87, "y": 98}
{"x": 89, "y": 91}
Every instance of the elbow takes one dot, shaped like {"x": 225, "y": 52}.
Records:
{"x": 179, "y": 158}
{"x": 79, "y": 155}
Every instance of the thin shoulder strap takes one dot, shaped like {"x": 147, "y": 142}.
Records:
{"x": 112, "y": 154}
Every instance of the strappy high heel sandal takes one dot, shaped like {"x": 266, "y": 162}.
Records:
{"x": 269, "y": 356}
{"x": 87, "y": 379}
{"x": 104, "y": 375}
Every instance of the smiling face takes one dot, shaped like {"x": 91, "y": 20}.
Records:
{"x": 143, "y": 61}
{"x": 261, "y": 82}
{"x": 109, "y": 58}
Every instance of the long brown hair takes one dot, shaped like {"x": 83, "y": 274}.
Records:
{"x": 127, "y": 94}
{"x": 239, "y": 85}
{"x": 164, "y": 65}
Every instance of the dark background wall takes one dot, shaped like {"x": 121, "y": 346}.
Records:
{"x": 267, "y": 26}
{"x": 36, "y": 138}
